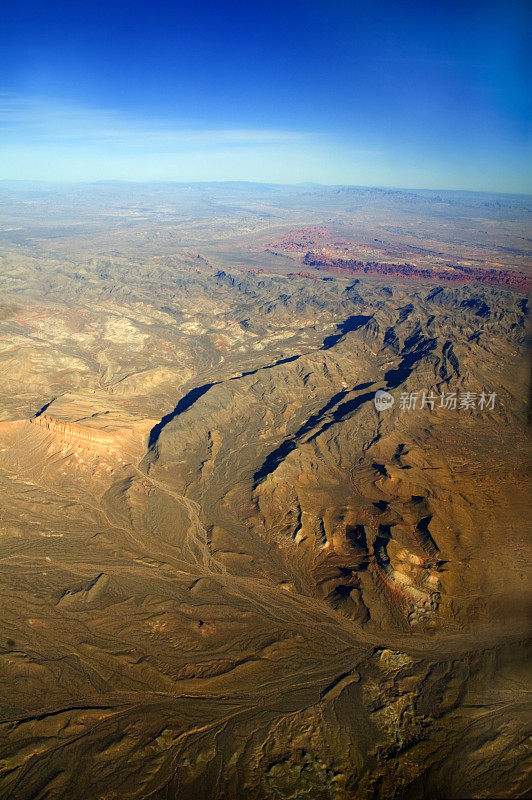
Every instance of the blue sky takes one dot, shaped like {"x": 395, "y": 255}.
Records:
{"x": 410, "y": 94}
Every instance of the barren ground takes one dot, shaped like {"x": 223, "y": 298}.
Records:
{"x": 225, "y": 574}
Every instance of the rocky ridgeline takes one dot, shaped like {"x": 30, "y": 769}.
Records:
{"x": 73, "y": 433}
{"x": 454, "y": 274}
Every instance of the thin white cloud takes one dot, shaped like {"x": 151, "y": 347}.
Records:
{"x": 44, "y": 139}
{"x": 47, "y": 120}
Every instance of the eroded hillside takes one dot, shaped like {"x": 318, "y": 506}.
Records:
{"x": 226, "y": 573}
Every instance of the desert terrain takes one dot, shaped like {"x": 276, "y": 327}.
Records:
{"x": 225, "y": 572}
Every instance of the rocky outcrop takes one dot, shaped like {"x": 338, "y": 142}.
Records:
{"x": 453, "y": 274}
{"x": 299, "y": 239}
{"x": 73, "y": 433}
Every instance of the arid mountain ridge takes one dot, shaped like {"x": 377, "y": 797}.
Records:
{"x": 225, "y": 573}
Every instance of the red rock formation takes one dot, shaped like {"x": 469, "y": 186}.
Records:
{"x": 299, "y": 239}
{"x": 454, "y": 274}
{"x": 73, "y": 433}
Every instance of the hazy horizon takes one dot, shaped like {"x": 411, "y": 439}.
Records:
{"x": 251, "y": 183}
{"x": 335, "y": 94}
